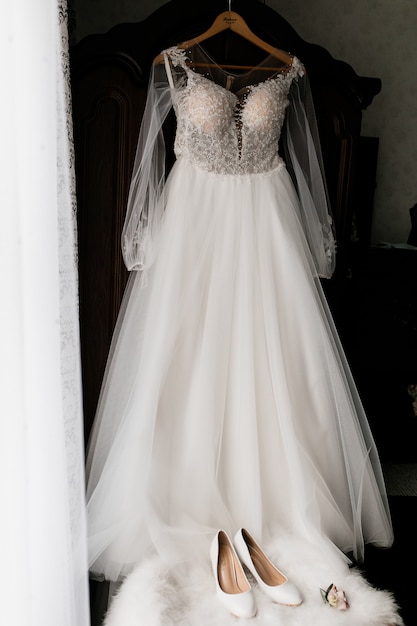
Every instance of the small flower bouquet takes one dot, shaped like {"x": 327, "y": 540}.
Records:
{"x": 334, "y": 598}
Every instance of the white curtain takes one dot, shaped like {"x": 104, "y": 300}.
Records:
{"x": 43, "y": 565}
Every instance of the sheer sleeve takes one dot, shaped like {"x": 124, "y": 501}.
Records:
{"x": 302, "y": 153}
{"x": 145, "y": 201}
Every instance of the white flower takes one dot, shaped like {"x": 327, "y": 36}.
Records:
{"x": 334, "y": 598}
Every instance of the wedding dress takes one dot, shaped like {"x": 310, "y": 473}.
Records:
{"x": 227, "y": 399}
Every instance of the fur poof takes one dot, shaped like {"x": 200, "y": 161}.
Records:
{"x": 152, "y": 595}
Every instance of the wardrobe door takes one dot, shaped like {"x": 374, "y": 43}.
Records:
{"x": 340, "y": 127}
{"x": 108, "y": 101}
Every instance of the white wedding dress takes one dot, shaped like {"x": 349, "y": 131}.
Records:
{"x": 227, "y": 400}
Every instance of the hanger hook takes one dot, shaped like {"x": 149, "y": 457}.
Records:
{"x": 230, "y": 5}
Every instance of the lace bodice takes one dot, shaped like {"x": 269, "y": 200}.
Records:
{"x": 227, "y": 124}
{"x": 230, "y": 129}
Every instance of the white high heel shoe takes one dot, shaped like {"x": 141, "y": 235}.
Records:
{"x": 269, "y": 578}
{"x": 232, "y": 587}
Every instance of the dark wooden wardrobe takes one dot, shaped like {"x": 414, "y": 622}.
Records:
{"x": 109, "y": 82}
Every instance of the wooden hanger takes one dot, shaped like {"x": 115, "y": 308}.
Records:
{"x": 230, "y": 20}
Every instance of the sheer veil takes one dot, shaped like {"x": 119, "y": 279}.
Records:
{"x": 302, "y": 154}
{"x": 146, "y": 195}
{"x": 301, "y": 151}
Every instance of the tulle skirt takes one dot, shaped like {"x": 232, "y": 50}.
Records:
{"x": 227, "y": 401}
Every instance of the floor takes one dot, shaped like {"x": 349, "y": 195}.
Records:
{"x": 377, "y": 320}
{"x": 390, "y": 569}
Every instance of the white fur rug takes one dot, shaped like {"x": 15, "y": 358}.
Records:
{"x": 152, "y": 596}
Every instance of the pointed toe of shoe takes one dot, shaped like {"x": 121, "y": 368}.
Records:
{"x": 240, "y": 604}
{"x": 286, "y": 593}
